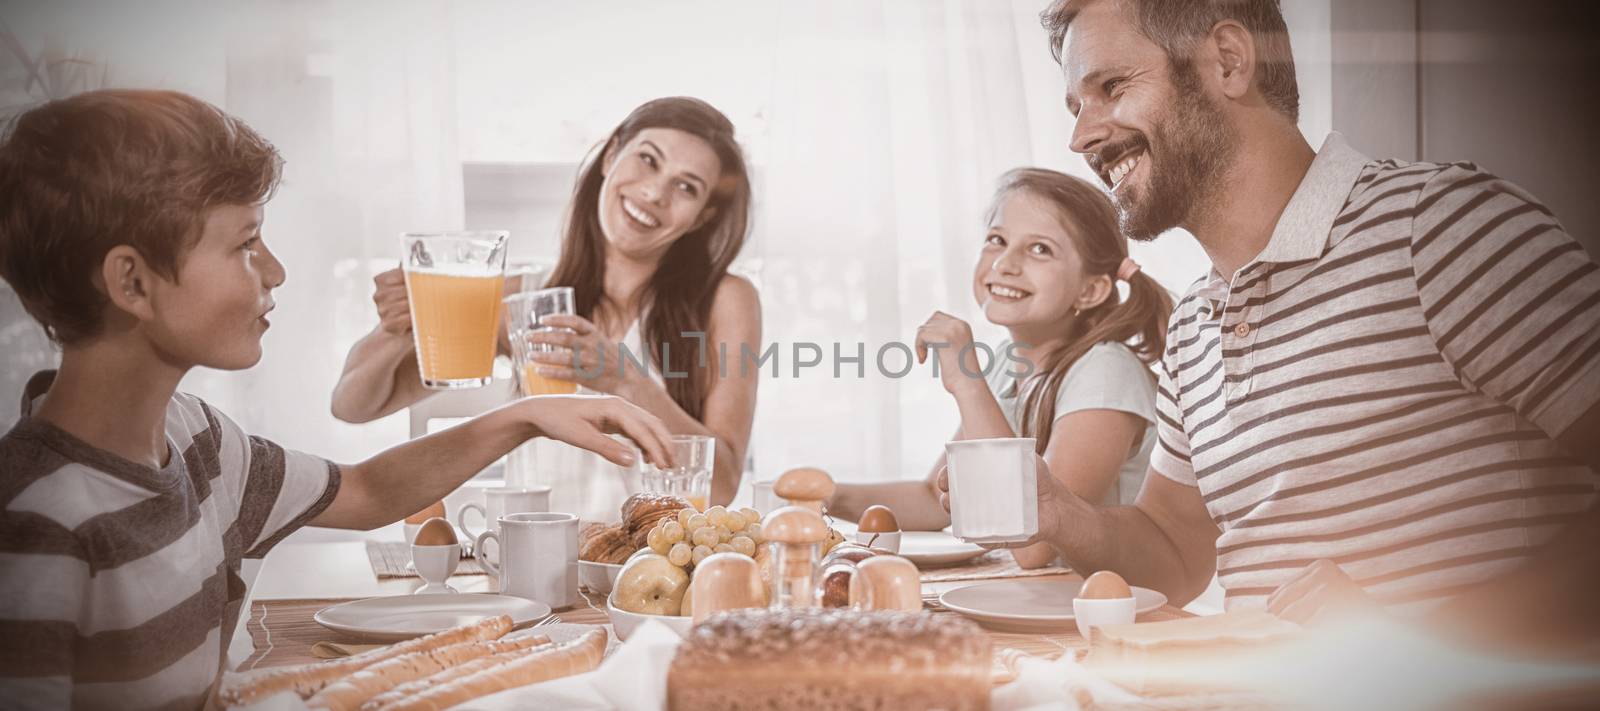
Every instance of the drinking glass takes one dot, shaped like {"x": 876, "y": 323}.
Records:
{"x": 525, "y": 314}
{"x": 454, "y": 280}
{"x": 691, "y": 478}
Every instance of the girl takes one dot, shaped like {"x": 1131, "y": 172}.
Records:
{"x": 1047, "y": 272}
{"x": 660, "y": 211}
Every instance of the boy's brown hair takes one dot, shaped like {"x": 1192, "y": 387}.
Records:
{"x": 81, "y": 175}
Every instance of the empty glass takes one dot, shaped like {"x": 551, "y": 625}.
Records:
{"x": 691, "y": 478}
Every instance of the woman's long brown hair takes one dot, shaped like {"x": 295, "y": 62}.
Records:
{"x": 681, "y": 290}
{"x": 1140, "y": 322}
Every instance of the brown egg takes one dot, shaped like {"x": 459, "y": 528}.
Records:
{"x": 878, "y": 519}
{"x": 1105, "y": 585}
{"x": 894, "y": 582}
{"x": 726, "y": 581}
{"x": 435, "y": 532}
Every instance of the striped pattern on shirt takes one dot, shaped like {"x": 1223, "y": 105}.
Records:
{"x": 120, "y": 583}
{"x": 1382, "y": 386}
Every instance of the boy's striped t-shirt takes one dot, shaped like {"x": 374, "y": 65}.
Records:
{"x": 119, "y": 583}
{"x": 1383, "y": 385}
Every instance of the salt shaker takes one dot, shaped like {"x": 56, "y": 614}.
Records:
{"x": 796, "y": 535}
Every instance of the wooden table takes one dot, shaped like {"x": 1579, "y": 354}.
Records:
{"x": 297, "y": 580}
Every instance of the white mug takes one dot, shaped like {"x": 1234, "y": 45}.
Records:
{"x": 538, "y": 557}
{"x": 498, "y": 502}
{"x": 993, "y": 498}
{"x": 762, "y": 498}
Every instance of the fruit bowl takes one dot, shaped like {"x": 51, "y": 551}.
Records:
{"x": 598, "y": 577}
{"x": 624, "y": 622}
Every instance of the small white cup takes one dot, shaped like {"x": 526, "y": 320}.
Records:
{"x": 539, "y": 557}
{"x": 889, "y": 540}
{"x": 993, "y": 498}
{"x": 761, "y": 497}
{"x": 499, "y": 502}
{"x": 434, "y": 565}
{"x": 1090, "y": 614}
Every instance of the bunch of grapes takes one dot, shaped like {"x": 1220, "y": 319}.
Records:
{"x": 691, "y": 536}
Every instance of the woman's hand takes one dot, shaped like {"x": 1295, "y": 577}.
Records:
{"x": 583, "y": 355}
{"x": 394, "y": 304}
{"x": 951, "y": 340}
{"x": 586, "y": 420}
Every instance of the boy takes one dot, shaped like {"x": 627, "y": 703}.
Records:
{"x": 130, "y": 226}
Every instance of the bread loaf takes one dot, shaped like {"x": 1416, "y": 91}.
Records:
{"x": 831, "y": 659}
{"x": 1137, "y": 656}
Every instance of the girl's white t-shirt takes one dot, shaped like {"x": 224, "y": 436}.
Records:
{"x": 1107, "y": 377}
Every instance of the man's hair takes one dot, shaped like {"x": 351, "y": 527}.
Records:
{"x": 81, "y": 175}
{"x": 1178, "y": 25}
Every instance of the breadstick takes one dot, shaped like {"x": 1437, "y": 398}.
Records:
{"x": 348, "y": 693}
{"x": 307, "y": 679}
{"x": 453, "y": 673}
{"x": 553, "y": 662}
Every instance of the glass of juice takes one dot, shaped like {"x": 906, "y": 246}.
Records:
{"x": 525, "y": 314}
{"x": 454, "y": 280}
{"x": 691, "y": 478}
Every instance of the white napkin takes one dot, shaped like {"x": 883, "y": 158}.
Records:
{"x": 633, "y": 678}
{"x": 1058, "y": 685}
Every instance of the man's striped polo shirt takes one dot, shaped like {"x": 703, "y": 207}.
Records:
{"x": 1383, "y": 384}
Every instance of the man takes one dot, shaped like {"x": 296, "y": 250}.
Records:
{"x": 1392, "y": 369}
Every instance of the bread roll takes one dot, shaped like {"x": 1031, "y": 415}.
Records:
{"x": 548, "y": 662}
{"x": 606, "y": 544}
{"x": 308, "y": 679}
{"x": 833, "y": 659}
{"x": 348, "y": 693}
{"x": 456, "y": 672}
{"x": 641, "y": 512}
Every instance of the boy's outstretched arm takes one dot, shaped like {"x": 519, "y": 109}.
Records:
{"x": 403, "y": 479}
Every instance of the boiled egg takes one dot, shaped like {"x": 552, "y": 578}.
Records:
{"x": 435, "y": 532}
{"x": 878, "y": 519}
{"x": 1105, "y": 585}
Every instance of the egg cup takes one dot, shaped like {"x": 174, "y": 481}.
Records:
{"x": 434, "y": 565}
{"x": 1090, "y": 613}
{"x": 883, "y": 540}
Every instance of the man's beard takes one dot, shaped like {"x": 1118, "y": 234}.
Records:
{"x": 1196, "y": 145}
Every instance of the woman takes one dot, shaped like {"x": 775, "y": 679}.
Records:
{"x": 660, "y": 211}
{"x": 1051, "y": 258}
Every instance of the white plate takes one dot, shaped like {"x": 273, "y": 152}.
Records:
{"x": 391, "y": 619}
{"x": 934, "y": 548}
{"x": 925, "y": 549}
{"x": 1029, "y": 605}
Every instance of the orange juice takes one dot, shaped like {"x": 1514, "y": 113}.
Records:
{"x": 535, "y": 384}
{"x": 455, "y": 317}
{"x": 699, "y": 502}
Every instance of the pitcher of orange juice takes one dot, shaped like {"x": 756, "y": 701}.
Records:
{"x": 525, "y": 314}
{"x": 454, "y": 281}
